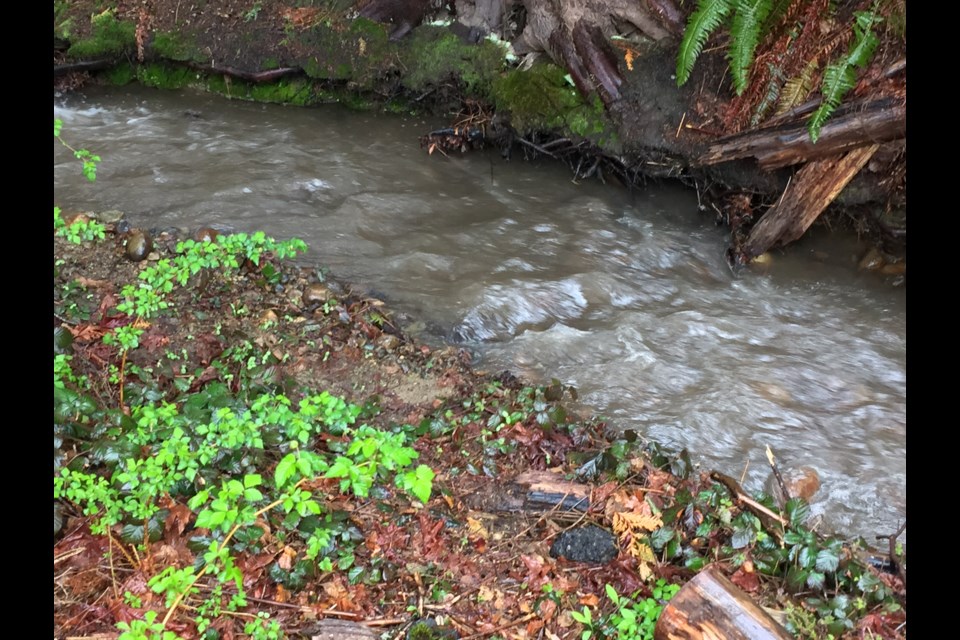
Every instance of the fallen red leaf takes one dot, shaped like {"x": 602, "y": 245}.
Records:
{"x": 746, "y": 580}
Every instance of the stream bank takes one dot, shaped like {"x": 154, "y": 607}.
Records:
{"x": 274, "y": 51}
{"x": 299, "y": 389}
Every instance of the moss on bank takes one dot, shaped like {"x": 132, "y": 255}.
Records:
{"x": 436, "y": 55}
{"x": 541, "y": 99}
{"x": 350, "y": 61}
{"x": 108, "y": 37}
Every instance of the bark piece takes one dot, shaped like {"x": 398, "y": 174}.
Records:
{"x": 710, "y": 607}
{"x": 812, "y": 189}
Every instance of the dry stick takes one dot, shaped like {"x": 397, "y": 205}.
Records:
{"x": 776, "y": 473}
{"x": 758, "y": 509}
{"x": 526, "y": 618}
{"x": 133, "y": 563}
{"x": 536, "y": 147}
{"x": 892, "y": 540}
{"x": 67, "y": 554}
{"x": 383, "y": 622}
{"x": 222, "y": 546}
{"x": 113, "y": 574}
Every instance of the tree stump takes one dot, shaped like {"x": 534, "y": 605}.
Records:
{"x": 710, "y": 607}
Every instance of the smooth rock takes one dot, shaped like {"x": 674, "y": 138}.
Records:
{"x": 589, "y": 544}
{"x": 139, "y": 245}
{"x": 110, "y": 216}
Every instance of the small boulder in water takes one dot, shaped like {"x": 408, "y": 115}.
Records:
{"x": 801, "y": 482}
{"x": 139, "y": 245}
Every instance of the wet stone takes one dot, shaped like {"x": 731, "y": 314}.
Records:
{"x": 801, "y": 482}
{"x": 110, "y": 216}
{"x": 139, "y": 245}
{"x": 588, "y": 544}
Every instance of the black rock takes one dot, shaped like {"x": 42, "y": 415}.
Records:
{"x": 589, "y": 544}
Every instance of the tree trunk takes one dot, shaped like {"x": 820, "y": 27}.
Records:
{"x": 710, "y": 607}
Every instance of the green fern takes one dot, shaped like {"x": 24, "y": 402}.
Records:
{"x": 744, "y": 38}
{"x": 840, "y": 77}
{"x": 709, "y": 15}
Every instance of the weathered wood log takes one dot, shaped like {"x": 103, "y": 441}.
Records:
{"x": 340, "y": 630}
{"x": 535, "y": 492}
{"x": 784, "y": 145}
{"x": 810, "y": 191}
{"x": 710, "y": 607}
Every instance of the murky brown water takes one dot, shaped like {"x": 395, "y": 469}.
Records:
{"x": 627, "y": 297}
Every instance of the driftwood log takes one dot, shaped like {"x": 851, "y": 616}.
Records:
{"x": 810, "y": 191}
{"x": 710, "y": 607}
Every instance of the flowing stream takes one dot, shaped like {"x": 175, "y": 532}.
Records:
{"x": 625, "y": 296}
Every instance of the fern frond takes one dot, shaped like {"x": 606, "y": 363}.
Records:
{"x": 744, "y": 37}
{"x": 797, "y": 88}
{"x": 704, "y": 21}
{"x": 840, "y": 77}
{"x": 770, "y": 96}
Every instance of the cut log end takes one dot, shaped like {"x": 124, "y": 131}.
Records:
{"x": 710, "y": 607}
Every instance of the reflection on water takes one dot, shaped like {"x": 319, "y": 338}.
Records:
{"x": 627, "y": 297}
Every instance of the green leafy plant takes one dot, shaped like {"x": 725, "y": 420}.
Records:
{"x": 708, "y": 17}
{"x": 749, "y": 21}
{"x": 631, "y": 619}
{"x": 839, "y": 78}
{"x": 88, "y": 159}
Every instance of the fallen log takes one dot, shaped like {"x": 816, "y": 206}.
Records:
{"x": 810, "y": 191}
{"x": 84, "y": 65}
{"x": 710, "y": 607}
{"x": 780, "y": 146}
